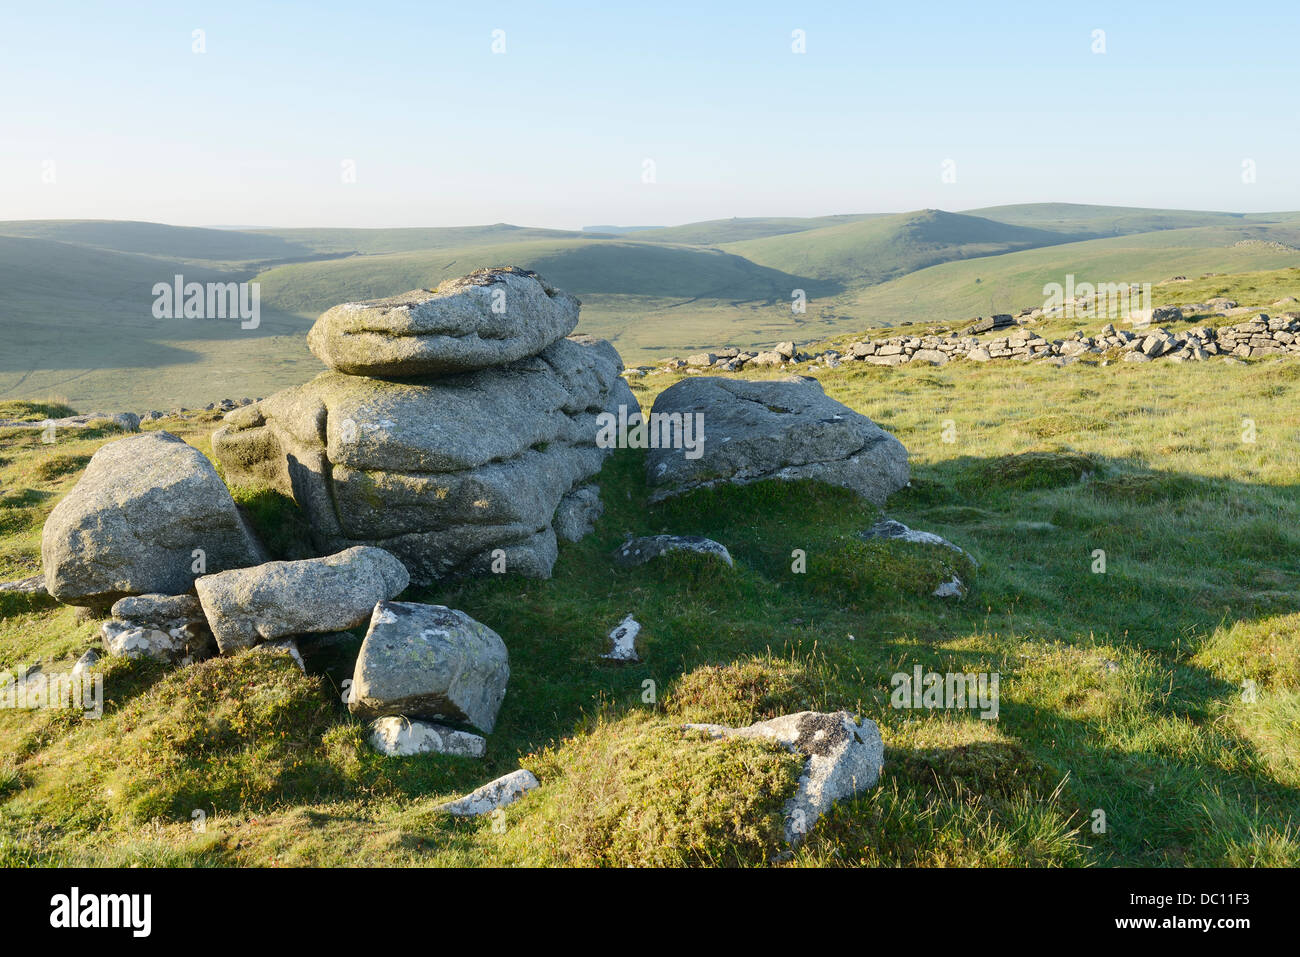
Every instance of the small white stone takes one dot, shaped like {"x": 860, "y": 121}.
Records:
{"x": 504, "y": 790}
{"x": 623, "y": 641}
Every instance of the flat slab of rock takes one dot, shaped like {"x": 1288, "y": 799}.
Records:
{"x": 279, "y": 599}
{"x": 126, "y": 421}
{"x": 430, "y": 661}
{"x": 142, "y": 511}
{"x": 504, "y": 790}
{"x": 784, "y": 429}
{"x": 844, "y": 759}
{"x": 638, "y": 551}
{"x": 488, "y": 318}
{"x": 401, "y": 737}
{"x": 160, "y": 610}
{"x": 33, "y": 585}
{"x": 891, "y": 529}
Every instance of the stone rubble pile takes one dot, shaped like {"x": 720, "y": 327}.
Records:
{"x": 1261, "y": 336}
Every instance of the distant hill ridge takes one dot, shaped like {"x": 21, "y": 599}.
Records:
{"x": 75, "y": 308}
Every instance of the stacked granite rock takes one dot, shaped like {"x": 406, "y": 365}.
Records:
{"x": 456, "y": 427}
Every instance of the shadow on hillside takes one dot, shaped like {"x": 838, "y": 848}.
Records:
{"x": 664, "y": 271}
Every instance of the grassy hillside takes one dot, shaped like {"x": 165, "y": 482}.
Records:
{"x": 1099, "y": 221}
{"x": 78, "y": 323}
{"x": 586, "y": 267}
{"x": 715, "y": 232}
{"x": 172, "y": 243}
{"x": 1010, "y": 282}
{"x": 648, "y": 298}
{"x": 1120, "y": 691}
{"x": 879, "y": 249}
{"x": 380, "y": 241}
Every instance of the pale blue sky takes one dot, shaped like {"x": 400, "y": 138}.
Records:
{"x": 556, "y": 130}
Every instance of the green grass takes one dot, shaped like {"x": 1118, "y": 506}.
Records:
{"x": 1120, "y": 691}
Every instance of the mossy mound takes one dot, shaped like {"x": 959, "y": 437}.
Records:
{"x": 1266, "y": 651}
{"x": 740, "y": 693}
{"x": 22, "y": 410}
{"x": 237, "y": 732}
{"x": 1150, "y": 487}
{"x": 641, "y": 791}
{"x": 877, "y": 571}
{"x": 1029, "y": 470}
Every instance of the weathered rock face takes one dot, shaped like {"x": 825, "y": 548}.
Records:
{"x": 134, "y": 520}
{"x": 488, "y": 318}
{"x": 439, "y": 471}
{"x": 577, "y": 513}
{"x": 270, "y": 601}
{"x": 784, "y": 429}
{"x": 429, "y": 661}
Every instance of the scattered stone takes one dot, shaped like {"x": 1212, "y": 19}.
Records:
{"x": 1028, "y": 526}
{"x": 279, "y": 599}
{"x": 87, "y": 661}
{"x": 888, "y": 528}
{"x": 638, "y": 551}
{"x": 430, "y": 661}
{"x": 126, "y": 421}
{"x": 33, "y": 585}
{"x": 504, "y": 790}
{"x": 143, "y": 514}
{"x": 953, "y": 588}
{"x": 488, "y": 318}
{"x": 773, "y": 430}
{"x": 844, "y": 759}
{"x": 396, "y": 736}
{"x": 623, "y": 641}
